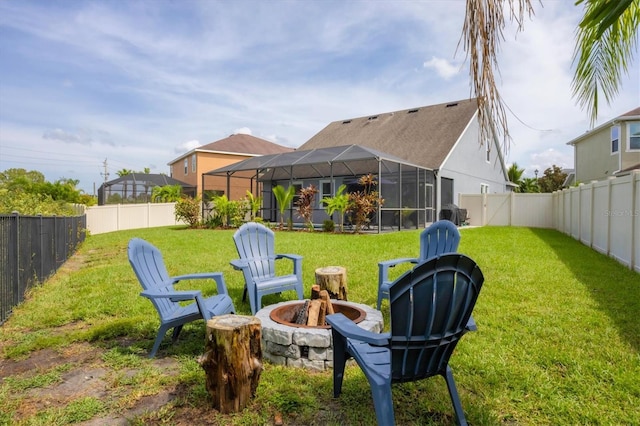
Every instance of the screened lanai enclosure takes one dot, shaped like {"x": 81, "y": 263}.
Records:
{"x": 408, "y": 190}
{"x": 137, "y": 188}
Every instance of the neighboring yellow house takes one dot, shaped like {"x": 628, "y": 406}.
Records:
{"x": 610, "y": 149}
{"x": 190, "y": 166}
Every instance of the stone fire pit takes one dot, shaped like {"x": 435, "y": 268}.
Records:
{"x": 286, "y": 343}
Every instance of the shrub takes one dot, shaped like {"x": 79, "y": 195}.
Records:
{"x": 364, "y": 202}
{"x": 339, "y": 203}
{"x": 188, "y": 210}
{"x": 229, "y": 212}
{"x": 328, "y": 226}
{"x": 305, "y": 205}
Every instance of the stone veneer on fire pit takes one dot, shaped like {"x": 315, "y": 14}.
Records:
{"x": 305, "y": 347}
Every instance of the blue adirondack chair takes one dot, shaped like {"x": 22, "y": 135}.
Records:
{"x": 256, "y": 248}
{"x": 429, "y": 307}
{"x": 147, "y": 263}
{"x": 441, "y": 237}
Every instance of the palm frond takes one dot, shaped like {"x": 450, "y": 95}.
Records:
{"x": 606, "y": 44}
{"x": 481, "y": 36}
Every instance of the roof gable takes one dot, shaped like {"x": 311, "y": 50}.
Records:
{"x": 634, "y": 114}
{"x": 245, "y": 144}
{"x": 422, "y": 136}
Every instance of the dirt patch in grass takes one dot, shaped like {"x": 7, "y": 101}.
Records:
{"x": 84, "y": 375}
{"x": 46, "y": 359}
{"x": 87, "y": 375}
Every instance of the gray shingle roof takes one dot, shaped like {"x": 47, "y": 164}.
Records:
{"x": 245, "y": 144}
{"x": 422, "y": 136}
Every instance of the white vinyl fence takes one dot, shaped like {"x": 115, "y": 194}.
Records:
{"x": 604, "y": 215}
{"x": 117, "y": 217}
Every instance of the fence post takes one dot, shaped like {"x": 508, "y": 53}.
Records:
{"x": 15, "y": 235}
{"x": 512, "y": 203}
{"x": 609, "y": 215}
{"x": 592, "y": 212}
{"x": 634, "y": 213}
{"x": 41, "y": 229}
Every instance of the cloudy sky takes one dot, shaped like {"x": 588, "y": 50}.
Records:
{"x": 135, "y": 84}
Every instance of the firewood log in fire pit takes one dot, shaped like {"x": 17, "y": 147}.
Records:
{"x": 313, "y": 311}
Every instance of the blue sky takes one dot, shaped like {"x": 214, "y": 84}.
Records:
{"x": 138, "y": 83}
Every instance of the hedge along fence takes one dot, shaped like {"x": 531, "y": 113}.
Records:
{"x": 31, "y": 249}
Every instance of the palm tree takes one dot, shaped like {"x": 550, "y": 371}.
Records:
{"x": 166, "y": 194}
{"x": 529, "y": 185}
{"x": 283, "y": 198}
{"x": 339, "y": 203}
{"x": 515, "y": 175}
{"x": 607, "y": 36}
{"x": 121, "y": 173}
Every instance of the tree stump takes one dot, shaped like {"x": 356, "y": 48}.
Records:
{"x": 232, "y": 360}
{"x": 334, "y": 280}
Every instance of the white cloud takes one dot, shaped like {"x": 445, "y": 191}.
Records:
{"x": 242, "y": 131}
{"x": 187, "y": 146}
{"x": 444, "y": 68}
{"x": 545, "y": 159}
{"x": 151, "y": 74}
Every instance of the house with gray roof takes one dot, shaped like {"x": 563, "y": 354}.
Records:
{"x": 422, "y": 158}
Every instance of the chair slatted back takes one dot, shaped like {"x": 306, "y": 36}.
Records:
{"x": 146, "y": 261}
{"x": 256, "y": 245}
{"x": 441, "y": 237}
{"x": 430, "y": 307}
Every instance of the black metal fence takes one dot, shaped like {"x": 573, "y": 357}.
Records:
{"x": 32, "y": 248}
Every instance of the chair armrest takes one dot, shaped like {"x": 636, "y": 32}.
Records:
{"x": 216, "y": 276}
{"x": 197, "y": 276}
{"x": 239, "y": 264}
{"x": 383, "y": 267}
{"x": 349, "y": 329}
{"x": 175, "y": 296}
{"x": 293, "y": 257}
{"x": 297, "y": 262}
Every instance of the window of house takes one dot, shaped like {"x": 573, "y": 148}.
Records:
{"x": 615, "y": 139}
{"x": 171, "y": 170}
{"x": 186, "y": 166}
{"x": 193, "y": 163}
{"x": 484, "y": 188}
{"x": 324, "y": 191}
{"x": 634, "y": 136}
{"x": 487, "y": 151}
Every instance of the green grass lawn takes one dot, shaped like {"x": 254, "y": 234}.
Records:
{"x": 558, "y": 338}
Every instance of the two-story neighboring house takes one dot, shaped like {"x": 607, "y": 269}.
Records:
{"x": 609, "y": 149}
{"x": 190, "y": 166}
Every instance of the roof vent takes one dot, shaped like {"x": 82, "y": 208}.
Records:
{"x": 452, "y": 105}
{"x": 411, "y": 111}
{"x": 346, "y": 122}
{"x": 373, "y": 117}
